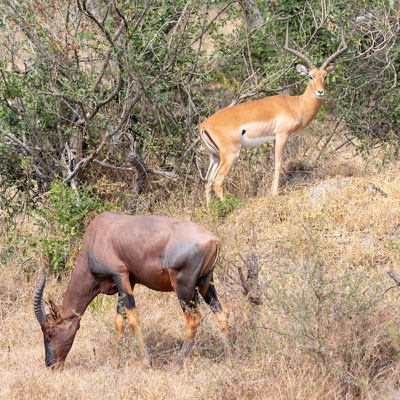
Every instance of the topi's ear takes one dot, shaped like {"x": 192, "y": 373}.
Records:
{"x": 330, "y": 68}
{"x": 54, "y": 311}
{"x": 301, "y": 69}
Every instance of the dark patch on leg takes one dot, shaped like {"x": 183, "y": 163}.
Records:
{"x": 185, "y": 262}
{"x": 202, "y": 281}
{"x": 187, "y": 300}
{"x": 120, "y": 306}
{"x": 127, "y": 300}
{"x": 220, "y": 313}
{"x": 211, "y": 298}
{"x": 125, "y": 290}
{"x": 183, "y": 256}
{"x": 98, "y": 267}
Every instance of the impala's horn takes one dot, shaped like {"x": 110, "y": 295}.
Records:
{"x": 342, "y": 47}
{"x": 295, "y": 52}
{"x": 38, "y": 307}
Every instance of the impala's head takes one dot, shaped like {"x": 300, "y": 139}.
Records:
{"x": 58, "y": 334}
{"x": 317, "y": 78}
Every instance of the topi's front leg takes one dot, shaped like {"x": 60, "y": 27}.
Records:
{"x": 125, "y": 290}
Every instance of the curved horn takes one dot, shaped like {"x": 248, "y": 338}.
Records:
{"x": 38, "y": 307}
{"x": 339, "y": 51}
{"x": 295, "y": 52}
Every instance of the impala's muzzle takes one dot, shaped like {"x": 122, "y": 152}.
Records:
{"x": 319, "y": 94}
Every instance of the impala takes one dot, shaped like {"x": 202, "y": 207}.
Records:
{"x": 270, "y": 119}
{"x": 120, "y": 251}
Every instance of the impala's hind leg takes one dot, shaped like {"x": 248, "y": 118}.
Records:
{"x": 224, "y": 166}
{"x": 214, "y": 161}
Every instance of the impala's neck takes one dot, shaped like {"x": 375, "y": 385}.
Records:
{"x": 81, "y": 291}
{"x": 309, "y": 105}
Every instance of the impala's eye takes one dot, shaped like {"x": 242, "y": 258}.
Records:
{"x": 325, "y": 77}
{"x": 311, "y": 77}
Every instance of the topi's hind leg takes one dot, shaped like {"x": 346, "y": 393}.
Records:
{"x": 193, "y": 317}
{"x": 220, "y": 312}
{"x": 193, "y": 320}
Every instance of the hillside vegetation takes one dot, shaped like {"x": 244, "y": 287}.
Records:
{"x": 326, "y": 327}
{"x": 99, "y": 108}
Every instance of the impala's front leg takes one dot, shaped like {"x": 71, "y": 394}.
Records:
{"x": 279, "y": 146}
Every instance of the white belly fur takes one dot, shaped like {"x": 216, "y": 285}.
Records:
{"x": 249, "y": 143}
{"x": 257, "y": 133}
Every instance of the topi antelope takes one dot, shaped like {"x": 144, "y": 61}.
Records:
{"x": 119, "y": 251}
{"x": 271, "y": 119}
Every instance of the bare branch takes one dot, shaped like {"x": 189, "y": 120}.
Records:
{"x": 169, "y": 175}
{"x": 395, "y": 278}
{"x": 250, "y": 284}
{"x": 181, "y": 159}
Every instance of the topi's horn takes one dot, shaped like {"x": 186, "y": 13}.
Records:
{"x": 38, "y": 307}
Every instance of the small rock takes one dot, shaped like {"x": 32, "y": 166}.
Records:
{"x": 368, "y": 241}
{"x": 374, "y": 190}
{"x": 325, "y": 188}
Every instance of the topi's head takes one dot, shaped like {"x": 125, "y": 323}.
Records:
{"x": 58, "y": 334}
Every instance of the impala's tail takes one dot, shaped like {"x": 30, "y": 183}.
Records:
{"x": 209, "y": 142}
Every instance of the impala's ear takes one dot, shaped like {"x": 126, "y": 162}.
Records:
{"x": 330, "y": 68}
{"x": 301, "y": 69}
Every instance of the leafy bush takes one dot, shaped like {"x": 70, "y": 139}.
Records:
{"x": 222, "y": 208}
{"x": 62, "y": 218}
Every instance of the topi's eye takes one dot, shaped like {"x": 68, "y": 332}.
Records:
{"x": 47, "y": 331}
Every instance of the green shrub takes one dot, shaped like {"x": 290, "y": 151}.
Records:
{"x": 62, "y": 218}
{"x": 222, "y": 208}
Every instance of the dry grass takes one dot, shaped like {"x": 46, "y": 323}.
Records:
{"x": 325, "y": 329}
